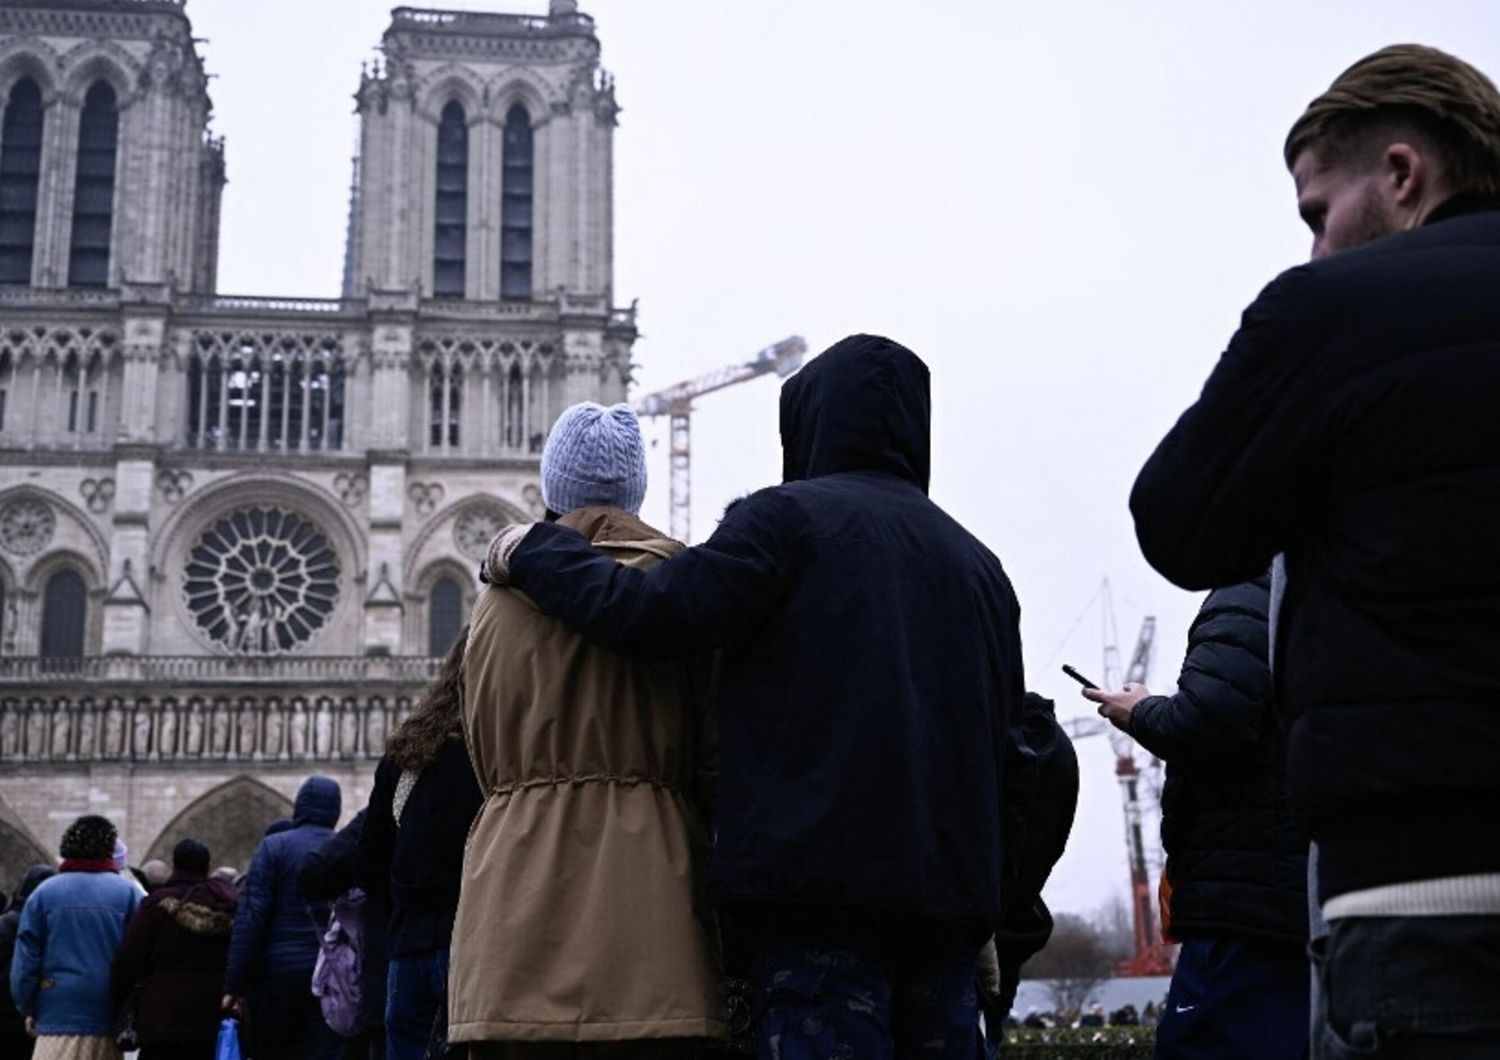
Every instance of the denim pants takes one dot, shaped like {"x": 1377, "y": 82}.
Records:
{"x": 1409, "y": 988}
{"x": 848, "y": 988}
{"x": 416, "y": 987}
{"x": 1232, "y": 999}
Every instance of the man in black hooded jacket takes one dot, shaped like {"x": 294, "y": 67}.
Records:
{"x": 870, "y": 712}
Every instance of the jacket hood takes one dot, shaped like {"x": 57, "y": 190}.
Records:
{"x": 204, "y": 907}
{"x": 864, "y": 404}
{"x": 34, "y": 878}
{"x": 319, "y": 801}
{"x": 620, "y": 534}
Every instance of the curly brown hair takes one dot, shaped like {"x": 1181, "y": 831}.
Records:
{"x": 437, "y": 717}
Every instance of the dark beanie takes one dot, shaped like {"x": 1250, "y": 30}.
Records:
{"x": 90, "y": 838}
{"x": 190, "y": 856}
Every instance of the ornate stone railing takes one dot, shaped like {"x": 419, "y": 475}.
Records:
{"x": 14, "y": 294}
{"x": 488, "y": 23}
{"x": 229, "y": 670}
{"x": 185, "y": 727}
{"x": 245, "y": 303}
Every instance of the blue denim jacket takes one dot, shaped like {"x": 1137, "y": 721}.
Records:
{"x": 70, "y": 929}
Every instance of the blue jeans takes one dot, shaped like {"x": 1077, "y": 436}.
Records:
{"x": 1409, "y": 988}
{"x": 416, "y": 987}
{"x": 1235, "y": 1000}
{"x": 841, "y": 987}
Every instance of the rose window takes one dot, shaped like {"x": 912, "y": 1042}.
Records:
{"x": 262, "y": 579}
{"x": 476, "y": 528}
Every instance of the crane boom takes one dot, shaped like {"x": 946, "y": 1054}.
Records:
{"x": 783, "y": 358}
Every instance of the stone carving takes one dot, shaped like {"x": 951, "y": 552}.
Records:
{"x": 12, "y": 626}
{"x": 10, "y": 734}
{"x": 262, "y": 580}
{"x": 425, "y": 496}
{"x": 351, "y": 488}
{"x": 173, "y": 485}
{"x": 26, "y": 526}
{"x": 532, "y": 495}
{"x": 97, "y": 493}
{"x": 476, "y": 527}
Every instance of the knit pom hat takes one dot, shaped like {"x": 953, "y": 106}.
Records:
{"x": 594, "y": 456}
{"x": 90, "y": 838}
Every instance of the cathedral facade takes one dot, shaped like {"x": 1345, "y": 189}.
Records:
{"x": 237, "y": 532}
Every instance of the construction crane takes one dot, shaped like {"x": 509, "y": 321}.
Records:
{"x": 782, "y": 358}
{"x": 1149, "y": 958}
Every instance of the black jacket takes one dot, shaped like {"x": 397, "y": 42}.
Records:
{"x": 414, "y": 869}
{"x": 1352, "y": 425}
{"x": 12, "y": 1024}
{"x": 1044, "y": 773}
{"x": 174, "y": 952}
{"x": 871, "y": 656}
{"x": 1237, "y": 861}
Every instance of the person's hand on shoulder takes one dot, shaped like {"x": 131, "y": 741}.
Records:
{"x": 495, "y": 570}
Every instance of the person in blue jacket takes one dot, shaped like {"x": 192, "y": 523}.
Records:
{"x": 870, "y": 711}
{"x": 274, "y": 945}
{"x": 70, "y": 928}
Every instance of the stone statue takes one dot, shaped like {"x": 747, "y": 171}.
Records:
{"x": 299, "y": 729}
{"x": 10, "y": 732}
{"x": 192, "y": 743}
{"x": 275, "y": 730}
{"x": 324, "y": 729}
{"x": 219, "y": 730}
{"x": 140, "y": 744}
{"x": 166, "y": 733}
{"x": 114, "y": 730}
{"x": 62, "y": 729}
{"x": 247, "y": 726}
{"x": 349, "y": 728}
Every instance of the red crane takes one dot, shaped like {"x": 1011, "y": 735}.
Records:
{"x": 1151, "y": 956}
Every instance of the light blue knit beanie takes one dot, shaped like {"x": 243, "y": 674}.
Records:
{"x": 593, "y": 456}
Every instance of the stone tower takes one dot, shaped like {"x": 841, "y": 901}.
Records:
{"x": 235, "y": 532}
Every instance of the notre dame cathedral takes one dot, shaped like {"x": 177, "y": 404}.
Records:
{"x": 236, "y": 531}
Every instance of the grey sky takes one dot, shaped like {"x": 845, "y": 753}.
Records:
{"x": 1061, "y": 206}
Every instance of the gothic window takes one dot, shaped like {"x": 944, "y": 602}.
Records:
{"x": 513, "y": 396}
{"x": 20, "y": 170}
{"x": 515, "y": 205}
{"x": 94, "y": 189}
{"x": 283, "y": 395}
{"x": 262, "y": 580}
{"x": 64, "y": 608}
{"x": 445, "y": 615}
{"x": 80, "y": 380}
{"x": 451, "y": 213}
{"x": 446, "y": 387}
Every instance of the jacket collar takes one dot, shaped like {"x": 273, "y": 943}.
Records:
{"x": 1459, "y": 205}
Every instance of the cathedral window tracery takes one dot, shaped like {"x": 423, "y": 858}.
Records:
{"x": 94, "y": 189}
{"x": 20, "y": 174}
{"x": 450, "y": 225}
{"x": 266, "y": 392}
{"x": 445, "y": 614}
{"x": 262, "y": 580}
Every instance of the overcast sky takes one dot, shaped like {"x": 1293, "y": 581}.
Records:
{"x": 1062, "y": 207}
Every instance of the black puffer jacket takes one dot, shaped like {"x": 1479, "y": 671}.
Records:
{"x": 871, "y": 673}
{"x": 1352, "y": 426}
{"x": 1237, "y": 861}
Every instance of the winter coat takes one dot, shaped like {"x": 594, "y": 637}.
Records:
{"x": 70, "y": 928}
{"x": 1236, "y": 859}
{"x": 1044, "y": 780}
{"x": 275, "y": 929}
{"x": 1351, "y": 425}
{"x": 12, "y": 1025}
{"x": 871, "y": 657}
{"x": 327, "y": 873}
{"x": 173, "y": 954}
{"x": 578, "y": 919}
{"x": 413, "y": 869}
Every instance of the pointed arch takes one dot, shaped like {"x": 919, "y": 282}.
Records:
{"x": 449, "y": 84}
{"x": 19, "y": 847}
{"x": 517, "y": 193}
{"x": 230, "y": 819}
{"x": 100, "y": 60}
{"x": 28, "y": 57}
{"x": 20, "y": 178}
{"x": 451, "y": 206}
{"x": 94, "y": 187}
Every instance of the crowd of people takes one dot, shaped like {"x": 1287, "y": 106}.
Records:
{"x": 795, "y": 772}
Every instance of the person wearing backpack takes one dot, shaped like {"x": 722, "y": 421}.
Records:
{"x": 172, "y": 959}
{"x": 411, "y": 853}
